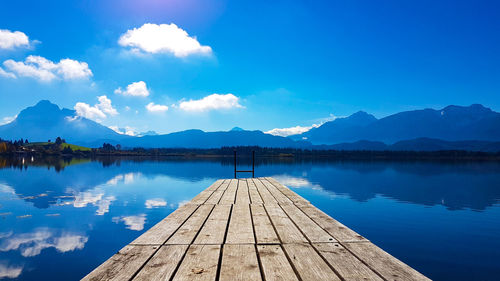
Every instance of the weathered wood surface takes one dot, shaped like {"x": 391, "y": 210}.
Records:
{"x": 251, "y": 229}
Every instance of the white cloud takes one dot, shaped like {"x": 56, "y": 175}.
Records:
{"x": 6, "y": 74}
{"x": 285, "y": 132}
{"x": 7, "y": 271}
{"x": 211, "y": 102}
{"x": 126, "y": 178}
{"x": 163, "y": 38}
{"x": 132, "y": 222}
{"x": 46, "y": 70}
{"x": 136, "y": 89}
{"x": 129, "y": 131}
{"x": 8, "y": 119}
{"x": 155, "y": 202}
{"x": 151, "y": 107}
{"x": 94, "y": 197}
{"x": 97, "y": 112}
{"x": 296, "y": 182}
{"x": 10, "y": 40}
{"x": 31, "y": 244}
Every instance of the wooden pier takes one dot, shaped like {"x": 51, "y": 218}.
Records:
{"x": 251, "y": 229}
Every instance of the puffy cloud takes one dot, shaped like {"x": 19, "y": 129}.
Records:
{"x": 155, "y": 202}
{"x": 7, "y": 271}
{"x": 46, "y": 70}
{"x": 136, "y": 89}
{"x": 163, "y": 38}
{"x": 31, "y": 244}
{"x": 97, "y": 112}
{"x": 132, "y": 222}
{"x": 94, "y": 197}
{"x": 151, "y": 107}
{"x": 10, "y": 40}
{"x": 129, "y": 131}
{"x": 6, "y": 74}
{"x": 211, "y": 102}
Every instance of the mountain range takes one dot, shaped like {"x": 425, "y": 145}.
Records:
{"x": 472, "y": 127}
{"x": 452, "y": 123}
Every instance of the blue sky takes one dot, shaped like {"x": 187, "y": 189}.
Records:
{"x": 213, "y": 65}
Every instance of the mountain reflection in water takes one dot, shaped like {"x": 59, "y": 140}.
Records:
{"x": 62, "y": 217}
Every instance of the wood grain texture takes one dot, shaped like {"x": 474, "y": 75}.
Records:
{"x": 163, "y": 264}
{"x": 217, "y": 194}
{"x": 251, "y": 229}
{"x": 309, "y": 265}
{"x": 383, "y": 263}
{"x": 294, "y": 197}
{"x": 254, "y": 194}
{"x": 159, "y": 233}
{"x": 339, "y": 231}
{"x": 187, "y": 232}
{"x": 240, "y": 229}
{"x": 275, "y": 265}
{"x": 266, "y": 196}
{"x": 230, "y": 194}
{"x": 308, "y": 227}
{"x": 286, "y": 230}
{"x": 242, "y": 195}
{"x": 215, "y": 227}
{"x": 123, "y": 265}
{"x": 345, "y": 264}
{"x": 278, "y": 195}
{"x": 205, "y": 194}
{"x": 239, "y": 262}
{"x": 264, "y": 231}
{"x": 200, "y": 263}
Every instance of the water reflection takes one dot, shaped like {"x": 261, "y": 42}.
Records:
{"x": 77, "y": 212}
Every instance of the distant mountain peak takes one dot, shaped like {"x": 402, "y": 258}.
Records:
{"x": 362, "y": 115}
{"x": 473, "y": 108}
{"x": 236, "y": 129}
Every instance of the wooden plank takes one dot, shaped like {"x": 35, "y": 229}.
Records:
{"x": 287, "y": 231}
{"x": 217, "y": 195}
{"x": 308, "y": 227}
{"x": 264, "y": 231}
{"x": 123, "y": 265}
{"x": 230, "y": 194}
{"x": 254, "y": 194}
{"x": 309, "y": 265}
{"x": 239, "y": 262}
{"x": 346, "y": 264}
{"x": 163, "y": 264}
{"x": 200, "y": 263}
{"x": 294, "y": 197}
{"x": 205, "y": 194}
{"x": 187, "y": 232}
{"x": 339, "y": 231}
{"x": 240, "y": 229}
{"x": 242, "y": 196}
{"x": 382, "y": 262}
{"x": 215, "y": 227}
{"x": 159, "y": 233}
{"x": 275, "y": 265}
{"x": 280, "y": 197}
{"x": 266, "y": 196}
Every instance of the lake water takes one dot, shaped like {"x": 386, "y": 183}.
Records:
{"x": 60, "y": 219}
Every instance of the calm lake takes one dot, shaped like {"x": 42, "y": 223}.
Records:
{"x": 60, "y": 219}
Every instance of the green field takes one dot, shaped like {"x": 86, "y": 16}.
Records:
{"x": 73, "y": 147}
